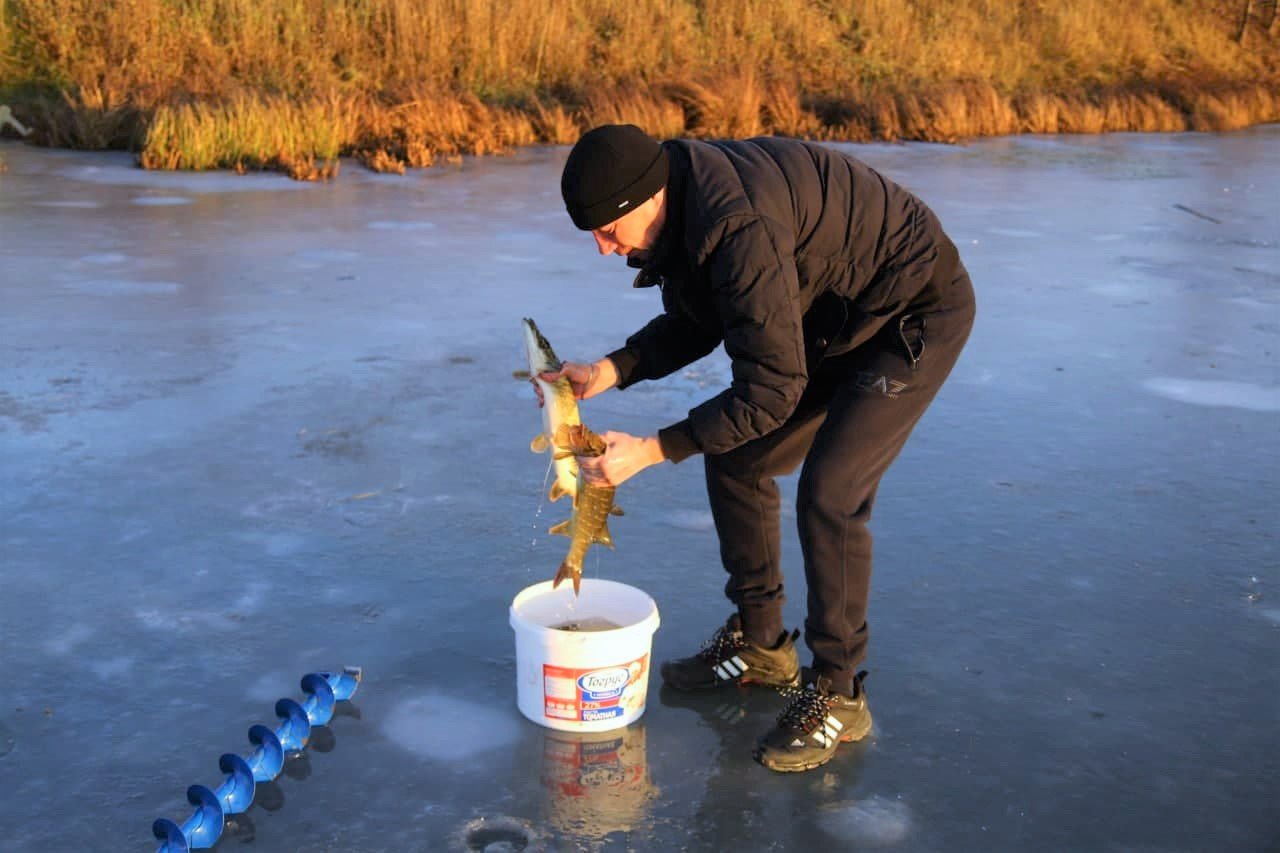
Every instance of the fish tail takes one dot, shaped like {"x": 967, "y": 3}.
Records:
{"x": 567, "y": 571}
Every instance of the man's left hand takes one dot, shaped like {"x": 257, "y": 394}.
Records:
{"x": 624, "y": 457}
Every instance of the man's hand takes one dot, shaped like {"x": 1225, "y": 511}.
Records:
{"x": 586, "y": 380}
{"x": 624, "y": 457}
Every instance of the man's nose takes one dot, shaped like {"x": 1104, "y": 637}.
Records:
{"x": 603, "y": 243}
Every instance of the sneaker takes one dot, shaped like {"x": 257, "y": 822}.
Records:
{"x": 728, "y": 658}
{"x": 814, "y": 723}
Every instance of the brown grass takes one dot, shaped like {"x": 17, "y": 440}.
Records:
{"x": 294, "y": 84}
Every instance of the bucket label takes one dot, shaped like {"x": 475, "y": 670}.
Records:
{"x": 599, "y": 693}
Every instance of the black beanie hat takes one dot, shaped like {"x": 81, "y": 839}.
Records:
{"x": 610, "y": 170}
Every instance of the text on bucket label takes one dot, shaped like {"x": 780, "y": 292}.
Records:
{"x": 598, "y": 693}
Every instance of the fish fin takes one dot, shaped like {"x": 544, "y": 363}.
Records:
{"x": 603, "y": 537}
{"x": 540, "y": 443}
{"x": 567, "y": 571}
{"x": 616, "y": 510}
{"x": 557, "y": 491}
{"x": 564, "y": 528}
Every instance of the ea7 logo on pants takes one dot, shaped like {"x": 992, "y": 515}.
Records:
{"x": 866, "y": 381}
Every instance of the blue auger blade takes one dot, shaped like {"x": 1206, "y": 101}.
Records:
{"x": 295, "y": 730}
{"x": 268, "y": 758}
{"x": 171, "y": 834}
{"x": 344, "y": 683}
{"x": 204, "y": 827}
{"x": 236, "y": 793}
{"x": 319, "y": 703}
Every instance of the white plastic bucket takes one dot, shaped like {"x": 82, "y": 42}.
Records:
{"x": 583, "y": 681}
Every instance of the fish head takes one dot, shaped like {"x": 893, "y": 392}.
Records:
{"x": 542, "y": 358}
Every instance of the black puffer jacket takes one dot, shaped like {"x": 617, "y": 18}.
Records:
{"x": 784, "y": 250}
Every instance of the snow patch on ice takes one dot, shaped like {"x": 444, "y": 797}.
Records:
{"x": 442, "y": 728}
{"x": 689, "y": 519}
{"x": 112, "y": 668}
{"x": 269, "y": 687}
{"x": 325, "y": 256}
{"x": 122, "y": 287}
{"x": 401, "y": 225}
{"x": 187, "y": 182}
{"x": 872, "y": 822}
{"x": 160, "y": 200}
{"x": 1014, "y": 232}
{"x": 1272, "y": 615}
{"x": 104, "y": 258}
{"x": 66, "y": 642}
{"x": 80, "y": 204}
{"x": 251, "y": 600}
{"x": 1219, "y": 393}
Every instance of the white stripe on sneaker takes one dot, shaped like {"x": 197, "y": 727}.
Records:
{"x": 722, "y": 672}
{"x": 728, "y": 664}
{"x": 742, "y": 666}
{"x": 832, "y": 721}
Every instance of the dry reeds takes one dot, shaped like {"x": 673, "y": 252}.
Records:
{"x": 294, "y": 84}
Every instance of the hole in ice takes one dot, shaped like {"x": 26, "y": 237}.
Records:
{"x": 498, "y": 835}
{"x": 160, "y": 200}
{"x": 444, "y": 728}
{"x": 7, "y": 741}
{"x": 1208, "y": 392}
{"x": 870, "y": 822}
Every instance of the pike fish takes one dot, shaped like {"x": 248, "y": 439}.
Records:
{"x": 559, "y": 408}
{"x": 592, "y": 505}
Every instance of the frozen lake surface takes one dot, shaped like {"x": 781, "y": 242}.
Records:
{"x": 251, "y": 428}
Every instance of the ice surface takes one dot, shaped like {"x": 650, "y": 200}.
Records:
{"x": 275, "y": 430}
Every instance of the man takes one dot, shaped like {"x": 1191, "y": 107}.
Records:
{"x": 843, "y": 306}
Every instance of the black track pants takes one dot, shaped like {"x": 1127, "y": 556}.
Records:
{"x": 852, "y": 421}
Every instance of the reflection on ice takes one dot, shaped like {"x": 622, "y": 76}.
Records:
{"x": 872, "y": 822}
{"x": 1208, "y": 392}
{"x": 443, "y": 728}
{"x": 597, "y": 783}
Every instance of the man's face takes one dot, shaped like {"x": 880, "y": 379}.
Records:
{"x": 637, "y": 231}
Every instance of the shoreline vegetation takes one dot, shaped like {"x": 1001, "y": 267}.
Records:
{"x": 292, "y": 85}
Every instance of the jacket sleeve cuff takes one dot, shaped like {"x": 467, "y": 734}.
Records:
{"x": 625, "y": 361}
{"x": 677, "y": 442}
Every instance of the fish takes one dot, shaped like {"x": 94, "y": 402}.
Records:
{"x": 592, "y": 505}
{"x": 559, "y": 408}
